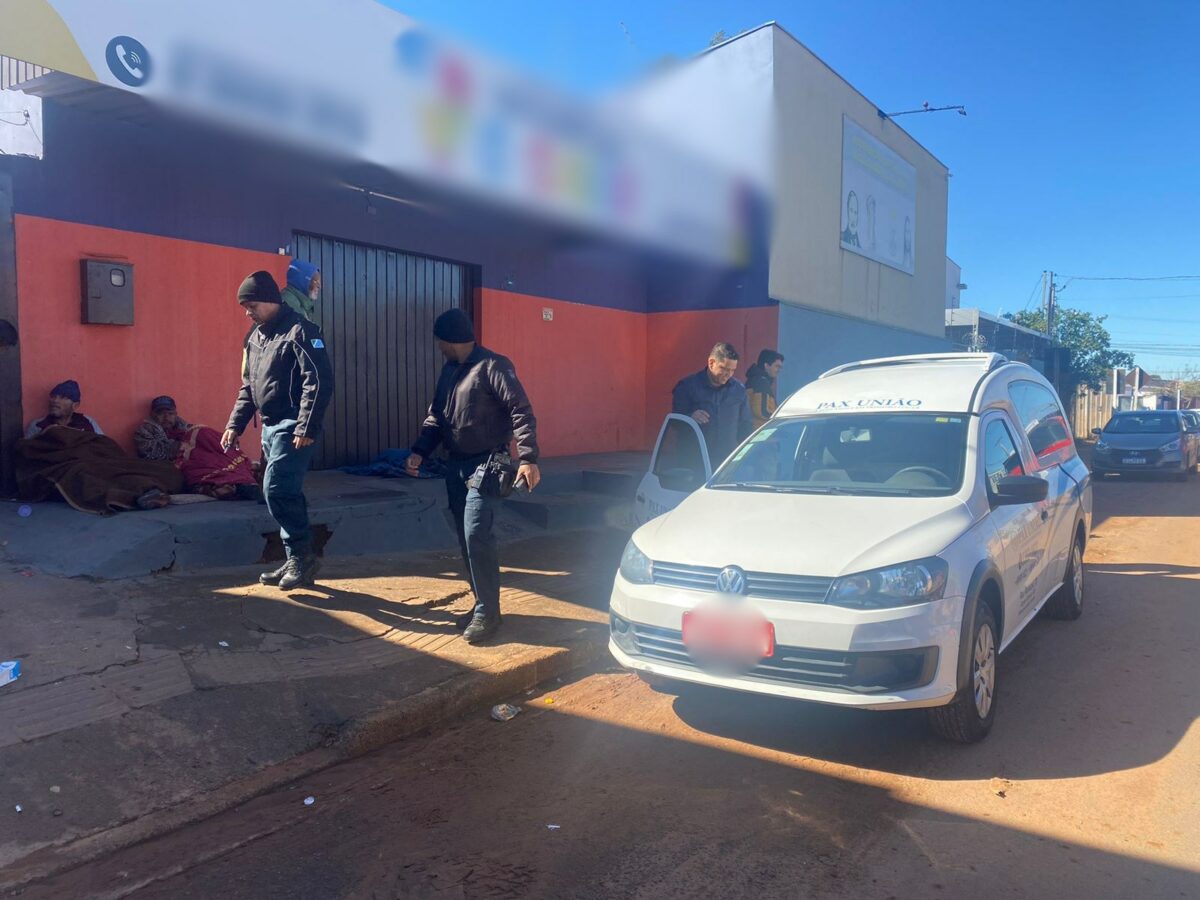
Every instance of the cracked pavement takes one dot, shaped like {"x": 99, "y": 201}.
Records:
{"x": 140, "y": 695}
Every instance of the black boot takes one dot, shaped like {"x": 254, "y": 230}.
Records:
{"x": 273, "y": 576}
{"x": 299, "y": 571}
{"x": 464, "y": 621}
{"x": 483, "y": 626}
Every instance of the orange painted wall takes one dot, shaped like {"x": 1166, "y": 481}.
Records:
{"x": 600, "y": 380}
{"x": 584, "y": 371}
{"x": 186, "y": 339}
{"x": 677, "y": 344}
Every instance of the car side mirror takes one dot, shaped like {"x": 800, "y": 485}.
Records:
{"x": 1097, "y": 431}
{"x": 683, "y": 480}
{"x": 1020, "y": 490}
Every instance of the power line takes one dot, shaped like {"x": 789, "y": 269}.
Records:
{"x": 1032, "y": 293}
{"x": 1135, "y": 297}
{"x": 1133, "y": 278}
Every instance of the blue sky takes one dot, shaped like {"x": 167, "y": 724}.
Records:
{"x": 1080, "y": 152}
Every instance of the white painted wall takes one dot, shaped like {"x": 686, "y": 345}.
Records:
{"x": 20, "y": 136}
{"x": 953, "y": 280}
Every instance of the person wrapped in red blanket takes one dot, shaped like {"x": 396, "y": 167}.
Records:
{"x": 196, "y": 451}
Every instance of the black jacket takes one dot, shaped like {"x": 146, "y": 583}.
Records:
{"x": 479, "y": 407}
{"x": 287, "y": 376}
{"x": 729, "y": 413}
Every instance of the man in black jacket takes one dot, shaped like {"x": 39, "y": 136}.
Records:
{"x": 289, "y": 381}
{"x": 478, "y": 408}
{"x": 716, "y": 402}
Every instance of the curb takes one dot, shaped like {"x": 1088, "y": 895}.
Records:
{"x": 431, "y": 707}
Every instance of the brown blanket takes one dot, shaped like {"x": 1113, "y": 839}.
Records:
{"x": 90, "y": 471}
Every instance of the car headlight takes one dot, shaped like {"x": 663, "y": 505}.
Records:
{"x": 1171, "y": 445}
{"x": 922, "y": 581}
{"x": 636, "y": 567}
{"x": 1102, "y": 447}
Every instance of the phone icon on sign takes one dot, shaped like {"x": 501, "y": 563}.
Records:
{"x": 131, "y": 61}
{"x": 128, "y": 60}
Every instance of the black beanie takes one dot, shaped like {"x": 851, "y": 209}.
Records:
{"x": 454, "y": 327}
{"x": 260, "y": 287}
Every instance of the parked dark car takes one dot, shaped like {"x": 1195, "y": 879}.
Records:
{"x": 1147, "y": 441}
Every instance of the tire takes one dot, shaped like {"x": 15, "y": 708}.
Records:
{"x": 1180, "y": 476}
{"x": 962, "y": 720}
{"x": 1067, "y": 602}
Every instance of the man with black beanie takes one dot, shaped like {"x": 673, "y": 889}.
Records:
{"x": 478, "y": 408}
{"x": 289, "y": 381}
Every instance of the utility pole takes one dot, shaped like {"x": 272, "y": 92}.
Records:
{"x": 1050, "y": 317}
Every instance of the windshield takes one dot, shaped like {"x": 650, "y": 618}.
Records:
{"x": 1143, "y": 423}
{"x": 904, "y": 454}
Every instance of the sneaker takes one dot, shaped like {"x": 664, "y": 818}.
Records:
{"x": 299, "y": 572}
{"x": 273, "y": 576}
{"x": 482, "y": 627}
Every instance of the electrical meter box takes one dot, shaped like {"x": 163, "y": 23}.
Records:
{"x": 107, "y": 292}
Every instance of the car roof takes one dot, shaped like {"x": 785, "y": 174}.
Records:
{"x": 945, "y": 382}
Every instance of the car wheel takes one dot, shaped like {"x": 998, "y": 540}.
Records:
{"x": 1067, "y": 602}
{"x": 1181, "y": 475}
{"x": 968, "y": 718}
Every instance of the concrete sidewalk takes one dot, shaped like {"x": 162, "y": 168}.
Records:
{"x": 352, "y": 516}
{"x": 147, "y": 703}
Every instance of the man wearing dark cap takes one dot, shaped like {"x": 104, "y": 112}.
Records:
{"x": 478, "y": 408}
{"x": 63, "y": 409}
{"x": 288, "y": 380}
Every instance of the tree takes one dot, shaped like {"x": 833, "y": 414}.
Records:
{"x": 719, "y": 38}
{"x": 1084, "y": 334}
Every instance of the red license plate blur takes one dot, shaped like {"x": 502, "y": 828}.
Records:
{"x": 736, "y": 636}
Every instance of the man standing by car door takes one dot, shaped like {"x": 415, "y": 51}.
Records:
{"x": 288, "y": 379}
{"x": 478, "y": 408}
{"x": 716, "y": 402}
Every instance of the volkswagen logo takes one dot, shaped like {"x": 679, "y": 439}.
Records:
{"x": 732, "y": 580}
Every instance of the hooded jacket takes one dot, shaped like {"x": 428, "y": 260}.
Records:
{"x": 288, "y": 375}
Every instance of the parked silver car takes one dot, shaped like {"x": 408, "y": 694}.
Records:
{"x": 1147, "y": 441}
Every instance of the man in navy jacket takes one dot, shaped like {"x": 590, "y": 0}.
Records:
{"x": 717, "y": 403}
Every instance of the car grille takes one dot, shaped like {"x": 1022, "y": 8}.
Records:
{"x": 758, "y": 584}
{"x": 857, "y": 672}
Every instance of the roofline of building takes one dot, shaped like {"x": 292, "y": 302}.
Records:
{"x": 775, "y": 24}
{"x": 979, "y": 314}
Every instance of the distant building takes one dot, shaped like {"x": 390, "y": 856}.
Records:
{"x": 978, "y": 331}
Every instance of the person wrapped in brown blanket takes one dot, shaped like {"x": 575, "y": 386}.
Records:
{"x": 91, "y": 472}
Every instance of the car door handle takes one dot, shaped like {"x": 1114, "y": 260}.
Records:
{"x": 1045, "y": 515}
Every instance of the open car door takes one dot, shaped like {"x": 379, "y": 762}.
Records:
{"x": 679, "y": 466}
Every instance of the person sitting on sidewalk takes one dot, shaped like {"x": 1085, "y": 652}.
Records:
{"x": 66, "y": 454}
{"x": 196, "y": 451}
{"x": 63, "y": 410}
{"x": 716, "y": 402}
{"x": 761, "y": 381}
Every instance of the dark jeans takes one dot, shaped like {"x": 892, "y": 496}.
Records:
{"x": 473, "y": 516}
{"x": 283, "y": 486}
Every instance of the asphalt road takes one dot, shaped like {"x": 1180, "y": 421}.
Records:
{"x": 603, "y": 787}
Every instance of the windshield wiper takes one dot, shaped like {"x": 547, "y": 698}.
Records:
{"x": 750, "y": 486}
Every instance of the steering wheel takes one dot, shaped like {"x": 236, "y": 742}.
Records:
{"x": 938, "y": 477}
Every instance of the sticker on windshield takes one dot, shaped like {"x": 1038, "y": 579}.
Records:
{"x": 872, "y": 403}
{"x": 947, "y": 420}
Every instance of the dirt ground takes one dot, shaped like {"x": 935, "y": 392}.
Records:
{"x": 603, "y": 787}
